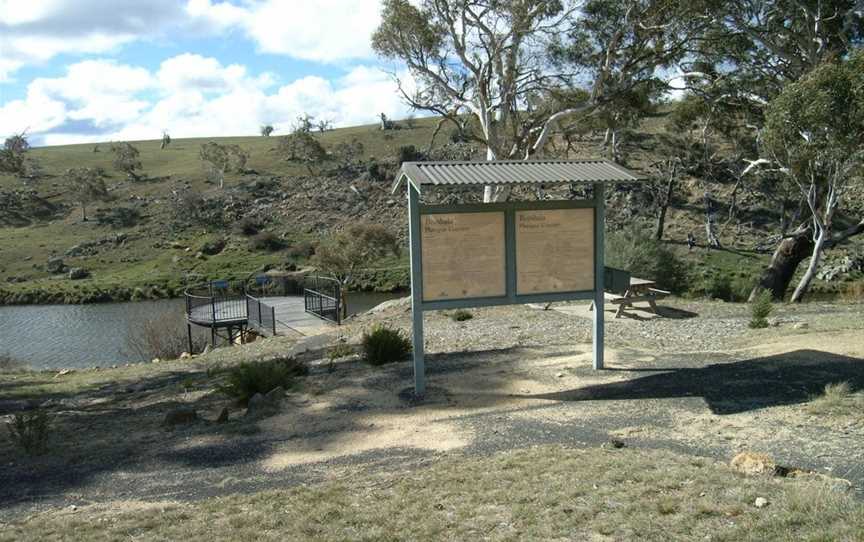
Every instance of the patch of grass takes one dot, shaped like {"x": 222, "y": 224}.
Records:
{"x": 339, "y": 350}
{"x": 837, "y": 399}
{"x": 385, "y": 345}
{"x": 461, "y": 315}
{"x": 29, "y": 431}
{"x": 760, "y": 309}
{"x": 546, "y": 493}
{"x": 245, "y": 380}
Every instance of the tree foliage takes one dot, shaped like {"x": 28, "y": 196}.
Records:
{"x": 486, "y": 58}
{"x": 13, "y": 155}
{"x": 302, "y": 147}
{"x": 220, "y": 159}
{"x": 814, "y": 134}
{"x": 126, "y": 160}
{"x": 87, "y": 185}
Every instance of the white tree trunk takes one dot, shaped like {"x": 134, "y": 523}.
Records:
{"x": 815, "y": 258}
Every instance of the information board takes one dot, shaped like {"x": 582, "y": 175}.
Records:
{"x": 554, "y": 251}
{"x": 463, "y": 255}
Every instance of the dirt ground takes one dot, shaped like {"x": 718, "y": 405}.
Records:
{"x": 697, "y": 381}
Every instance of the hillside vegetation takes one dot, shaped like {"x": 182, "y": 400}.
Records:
{"x": 175, "y": 224}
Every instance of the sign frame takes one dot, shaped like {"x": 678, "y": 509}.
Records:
{"x": 511, "y": 297}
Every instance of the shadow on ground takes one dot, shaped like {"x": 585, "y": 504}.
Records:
{"x": 729, "y": 388}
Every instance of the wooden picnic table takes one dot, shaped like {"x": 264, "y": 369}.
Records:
{"x": 639, "y": 290}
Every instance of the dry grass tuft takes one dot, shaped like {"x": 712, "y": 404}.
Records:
{"x": 837, "y": 399}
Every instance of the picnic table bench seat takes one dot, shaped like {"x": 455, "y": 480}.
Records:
{"x": 640, "y": 290}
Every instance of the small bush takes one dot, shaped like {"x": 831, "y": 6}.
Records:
{"x": 461, "y": 315}
{"x": 213, "y": 247}
{"x": 249, "y": 378}
{"x": 163, "y": 337}
{"x": 29, "y": 431}
{"x": 8, "y": 364}
{"x": 760, "y": 310}
{"x": 247, "y": 226}
{"x": 385, "y": 345}
{"x": 118, "y": 217}
{"x": 301, "y": 250}
{"x": 635, "y": 250}
{"x": 268, "y": 241}
{"x": 408, "y": 153}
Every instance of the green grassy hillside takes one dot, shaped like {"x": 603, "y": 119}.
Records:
{"x": 158, "y": 254}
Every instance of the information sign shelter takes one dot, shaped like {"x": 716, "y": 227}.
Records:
{"x": 515, "y": 252}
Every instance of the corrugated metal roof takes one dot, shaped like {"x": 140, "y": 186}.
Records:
{"x": 514, "y": 172}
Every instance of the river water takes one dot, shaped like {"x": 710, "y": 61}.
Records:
{"x": 76, "y": 336}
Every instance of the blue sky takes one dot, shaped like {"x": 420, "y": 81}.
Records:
{"x": 77, "y": 71}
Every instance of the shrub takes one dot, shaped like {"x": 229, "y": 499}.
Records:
{"x": 760, "y": 310}
{"x": 461, "y": 315}
{"x": 408, "y": 153}
{"x": 301, "y": 250}
{"x": 247, "y": 226}
{"x": 385, "y": 345}
{"x": 118, "y": 217}
{"x": 163, "y": 337}
{"x": 8, "y": 364}
{"x": 635, "y": 250}
{"x": 213, "y": 246}
{"x": 249, "y": 378}
{"x": 268, "y": 241}
{"x": 29, "y": 431}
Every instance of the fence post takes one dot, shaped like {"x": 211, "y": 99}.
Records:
{"x": 273, "y": 319}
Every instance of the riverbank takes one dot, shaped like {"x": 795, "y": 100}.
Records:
{"x": 65, "y": 292}
{"x": 696, "y": 382}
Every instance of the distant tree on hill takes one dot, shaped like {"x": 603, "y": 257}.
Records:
{"x": 126, "y": 160}
{"x": 166, "y": 140}
{"x": 324, "y": 125}
{"x": 13, "y": 154}
{"x": 220, "y": 159}
{"x": 302, "y": 147}
{"x": 304, "y": 123}
{"x": 266, "y": 130}
{"x": 87, "y": 185}
{"x": 342, "y": 255}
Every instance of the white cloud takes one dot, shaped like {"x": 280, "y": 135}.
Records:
{"x": 35, "y": 31}
{"x": 190, "y": 96}
{"x": 323, "y": 30}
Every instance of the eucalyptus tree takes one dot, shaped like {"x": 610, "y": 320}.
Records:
{"x": 484, "y": 58}
{"x": 625, "y": 51}
{"x": 814, "y": 136}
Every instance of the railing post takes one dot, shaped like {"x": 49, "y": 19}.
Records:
{"x": 273, "y": 319}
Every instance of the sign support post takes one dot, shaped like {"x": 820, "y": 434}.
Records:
{"x": 414, "y": 235}
{"x": 599, "y": 279}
